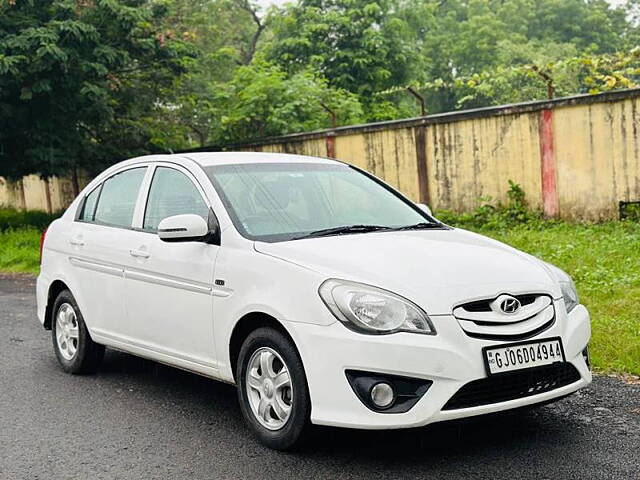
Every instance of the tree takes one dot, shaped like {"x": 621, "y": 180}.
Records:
{"x": 519, "y": 83}
{"x": 77, "y": 79}
{"x": 359, "y": 45}
{"x": 262, "y": 100}
{"x": 461, "y": 38}
{"x": 226, "y": 35}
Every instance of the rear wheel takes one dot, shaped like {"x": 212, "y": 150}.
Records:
{"x": 272, "y": 389}
{"x": 77, "y": 353}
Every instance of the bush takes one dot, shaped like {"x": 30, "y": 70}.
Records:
{"x": 495, "y": 216}
{"x": 11, "y": 219}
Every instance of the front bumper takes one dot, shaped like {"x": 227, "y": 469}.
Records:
{"x": 449, "y": 359}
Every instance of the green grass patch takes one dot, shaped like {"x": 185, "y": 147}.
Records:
{"x": 20, "y": 250}
{"x": 20, "y": 232}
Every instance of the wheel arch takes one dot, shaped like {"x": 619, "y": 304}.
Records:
{"x": 55, "y": 288}
{"x": 244, "y": 326}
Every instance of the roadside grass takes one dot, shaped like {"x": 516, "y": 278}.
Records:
{"x": 20, "y": 250}
{"x": 20, "y": 238}
{"x": 603, "y": 259}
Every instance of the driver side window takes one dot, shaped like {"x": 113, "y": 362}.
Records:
{"x": 172, "y": 193}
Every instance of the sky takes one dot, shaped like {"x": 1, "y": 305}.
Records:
{"x": 266, "y": 3}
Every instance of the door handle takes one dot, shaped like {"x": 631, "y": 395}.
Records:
{"x": 78, "y": 242}
{"x": 139, "y": 253}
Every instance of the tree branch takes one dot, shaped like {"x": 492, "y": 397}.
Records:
{"x": 260, "y": 26}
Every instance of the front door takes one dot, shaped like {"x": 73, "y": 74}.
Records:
{"x": 168, "y": 286}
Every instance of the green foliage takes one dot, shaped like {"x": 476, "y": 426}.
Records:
{"x": 224, "y": 34}
{"x": 75, "y": 79}
{"x": 262, "y": 100}
{"x": 359, "y": 45}
{"x": 495, "y": 215}
{"x": 85, "y": 83}
{"x": 480, "y": 52}
{"x": 11, "y": 218}
{"x": 630, "y": 211}
{"x": 20, "y": 250}
{"x": 572, "y": 75}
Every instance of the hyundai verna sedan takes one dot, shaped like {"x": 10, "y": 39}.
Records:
{"x": 324, "y": 294}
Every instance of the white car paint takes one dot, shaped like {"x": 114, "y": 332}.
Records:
{"x": 165, "y": 301}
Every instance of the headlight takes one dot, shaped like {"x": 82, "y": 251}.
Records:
{"x": 568, "y": 288}
{"x": 369, "y": 309}
{"x": 569, "y": 293}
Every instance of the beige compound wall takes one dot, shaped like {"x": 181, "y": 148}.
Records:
{"x": 476, "y": 158}
{"x": 597, "y": 155}
{"x": 34, "y": 193}
{"x": 452, "y": 160}
{"x": 466, "y": 156}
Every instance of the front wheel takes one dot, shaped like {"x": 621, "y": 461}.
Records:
{"x": 272, "y": 389}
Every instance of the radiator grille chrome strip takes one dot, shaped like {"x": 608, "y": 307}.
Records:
{"x": 527, "y": 311}
{"x": 478, "y": 319}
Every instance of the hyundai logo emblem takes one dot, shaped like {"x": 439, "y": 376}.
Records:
{"x": 509, "y": 304}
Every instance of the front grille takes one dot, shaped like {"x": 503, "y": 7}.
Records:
{"x": 483, "y": 319}
{"x": 510, "y": 386}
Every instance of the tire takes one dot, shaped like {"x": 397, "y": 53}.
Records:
{"x": 76, "y": 352}
{"x": 276, "y": 428}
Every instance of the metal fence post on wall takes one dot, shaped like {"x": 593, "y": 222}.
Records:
{"x": 548, "y": 164}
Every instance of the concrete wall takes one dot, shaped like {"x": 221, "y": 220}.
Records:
{"x": 575, "y": 157}
{"x": 34, "y": 193}
{"x": 598, "y": 161}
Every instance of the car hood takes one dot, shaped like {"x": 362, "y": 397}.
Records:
{"x": 438, "y": 269}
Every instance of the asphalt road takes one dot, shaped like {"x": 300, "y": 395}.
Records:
{"x": 138, "y": 419}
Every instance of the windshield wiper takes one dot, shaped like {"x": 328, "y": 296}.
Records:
{"x": 421, "y": 226}
{"x": 346, "y": 229}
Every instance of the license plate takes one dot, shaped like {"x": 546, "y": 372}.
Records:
{"x": 516, "y": 356}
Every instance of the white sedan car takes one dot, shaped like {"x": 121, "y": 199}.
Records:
{"x": 325, "y": 295}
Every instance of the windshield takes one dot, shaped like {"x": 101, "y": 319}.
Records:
{"x": 283, "y": 201}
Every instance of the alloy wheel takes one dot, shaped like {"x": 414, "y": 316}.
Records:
{"x": 67, "y": 332}
{"x": 269, "y": 388}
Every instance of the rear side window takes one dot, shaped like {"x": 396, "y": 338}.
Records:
{"x": 172, "y": 193}
{"x": 117, "y": 200}
{"x": 89, "y": 207}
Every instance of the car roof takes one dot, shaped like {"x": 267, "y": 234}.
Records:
{"x": 222, "y": 158}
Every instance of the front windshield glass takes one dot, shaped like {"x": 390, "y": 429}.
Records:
{"x": 283, "y": 201}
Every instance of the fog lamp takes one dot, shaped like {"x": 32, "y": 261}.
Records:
{"x": 382, "y": 395}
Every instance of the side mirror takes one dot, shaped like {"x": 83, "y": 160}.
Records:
{"x": 183, "y": 228}
{"x": 425, "y": 208}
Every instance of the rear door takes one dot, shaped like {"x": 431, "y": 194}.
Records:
{"x": 168, "y": 286}
{"x": 98, "y": 249}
